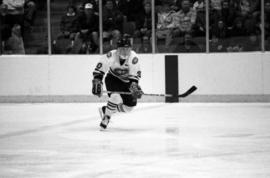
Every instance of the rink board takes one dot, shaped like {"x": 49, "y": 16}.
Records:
{"x": 64, "y": 78}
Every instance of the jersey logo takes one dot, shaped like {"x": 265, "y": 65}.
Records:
{"x": 135, "y": 60}
{"x": 109, "y": 54}
{"x": 121, "y": 72}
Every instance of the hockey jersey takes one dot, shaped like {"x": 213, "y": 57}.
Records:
{"x": 126, "y": 70}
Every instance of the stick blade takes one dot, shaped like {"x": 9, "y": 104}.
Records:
{"x": 188, "y": 92}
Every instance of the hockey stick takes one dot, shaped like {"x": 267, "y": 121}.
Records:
{"x": 188, "y": 92}
{"x": 183, "y": 95}
{"x": 146, "y": 94}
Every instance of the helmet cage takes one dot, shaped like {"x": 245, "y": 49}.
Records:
{"x": 124, "y": 52}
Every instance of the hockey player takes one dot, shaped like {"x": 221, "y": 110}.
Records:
{"x": 122, "y": 70}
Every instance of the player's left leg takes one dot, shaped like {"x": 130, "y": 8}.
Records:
{"x": 112, "y": 84}
{"x": 107, "y": 111}
{"x": 129, "y": 102}
{"x": 116, "y": 103}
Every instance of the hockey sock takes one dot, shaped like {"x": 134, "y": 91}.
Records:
{"x": 123, "y": 108}
{"x": 111, "y": 107}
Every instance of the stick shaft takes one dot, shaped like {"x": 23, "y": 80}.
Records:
{"x": 183, "y": 95}
{"x": 129, "y": 93}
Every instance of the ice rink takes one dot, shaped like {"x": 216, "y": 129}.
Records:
{"x": 156, "y": 140}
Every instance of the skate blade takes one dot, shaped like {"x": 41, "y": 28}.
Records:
{"x": 102, "y": 129}
{"x": 100, "y": 112}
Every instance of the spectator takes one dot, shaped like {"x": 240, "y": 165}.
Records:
{"x": 112, "y": 23}
{"x": 184, "y": 19}
{"x": 81, "y": 4}
{"x": 86, "y": 40}
{"x": 238, "y": 28}
{"x": 15, "y": 45}
{"x": 188, "y": 45}
{"x": 228, "y": 13}
{"x": 68, "y": 28}
{"x": 238, "y": 36}
{"x": 144, "y": 26}
{"x": 144, "y": 21}
{"x": 68, "y": 24}
{"x": 199, "y": 27}
{"x": 165, "y": 24}
{"x": 3, "y": 11}
{"x": 21, "y": 14}
{"x": 3, "y": 27}
{"x": 215, "y": 10}
{"x": 10, "y": 36}
{"x": 3, "y": 14}
{"x": 199, "y": 6}
{"x": 248, "y": 12}
{"x": 215, "y": 5}
{"x": 250, "y": 6}
{"x": 29, "y": 14}
{"x": 80, "y": 9}
{"x": 146, "y": 45}
{"x": 15, "y": 11}
{"x": 219, "y": 30}
{"x": 95, "y": 4}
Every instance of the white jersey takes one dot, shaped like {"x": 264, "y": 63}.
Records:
{"x": 128, "y": 70}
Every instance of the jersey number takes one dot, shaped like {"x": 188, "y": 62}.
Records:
{"x": 99, "y": 65}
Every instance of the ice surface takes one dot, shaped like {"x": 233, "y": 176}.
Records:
{"x": 156, "y": 140}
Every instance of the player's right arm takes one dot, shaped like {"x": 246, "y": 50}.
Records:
{"x": 101, "y": 68}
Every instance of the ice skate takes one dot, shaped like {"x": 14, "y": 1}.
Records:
{"x": 105, "y": 121}
{"x": 102, "y": 111}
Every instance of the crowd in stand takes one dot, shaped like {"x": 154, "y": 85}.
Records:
{"x": 16, "y": 18}
{"x": 180, "y": 25}
{"x": 80, "y": 25}
{"x": 234, "y": 24}
{"x": 267, "y": 24}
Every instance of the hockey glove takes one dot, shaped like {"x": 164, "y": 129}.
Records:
{"x": 135, "y": 90}
{"x": 97, "y": 87}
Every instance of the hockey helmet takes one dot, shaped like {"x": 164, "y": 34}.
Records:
{"x": 124, "y": 47}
